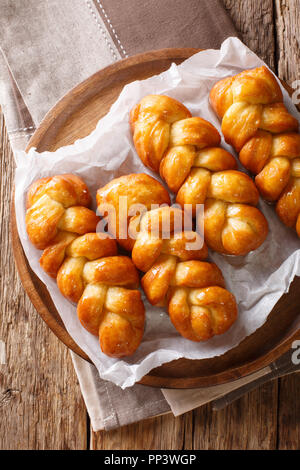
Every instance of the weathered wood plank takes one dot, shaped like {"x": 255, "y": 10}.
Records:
{"x": 248, "y": 423}
{"x": 254, "y": 22}
{"x": 287, "y": 14}
{"x": 289, "y": 413}
{"x": 40, "y": 401}
{"x": 163, "y": 432}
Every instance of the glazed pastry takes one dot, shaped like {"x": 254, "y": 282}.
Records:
{"x": 87, "y": 268}
{"x": 106, "y": 289}
{"x": 257, "y": 124}
{"x": 172, "y": 259}
{"x": 129, "y": 192}
{"x": 58, "y": 204}
{"x": 185, "y": 151}
{"x": 193, "y": 290}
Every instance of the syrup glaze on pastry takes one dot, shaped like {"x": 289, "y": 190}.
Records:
{"x": 257, "y": 124}
{"x": 185, "y": 151}
{"x": 86, "y": 267}
{"x": 172, "y": 258}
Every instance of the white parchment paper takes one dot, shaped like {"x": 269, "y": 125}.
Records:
{"x": 257, "y": 280}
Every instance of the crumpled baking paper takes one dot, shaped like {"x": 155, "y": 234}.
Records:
{"x": 257, "y": 280}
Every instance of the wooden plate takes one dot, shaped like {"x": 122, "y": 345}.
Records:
{"x": 75, "y": 116}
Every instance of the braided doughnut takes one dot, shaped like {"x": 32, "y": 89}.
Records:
{"x": 193, "y": 290}
{"x": 172, "y": 259}
{"x": 185, "y": 150}
{"x": 109, "y": 304}
{"x": 135, "y": 189}
{"x": 86, "y": 267}
{"x": 55, "y": 204}
{"x": 257, "y": 124}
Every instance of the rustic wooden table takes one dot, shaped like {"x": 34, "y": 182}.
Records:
{"x": 40, "y": 401}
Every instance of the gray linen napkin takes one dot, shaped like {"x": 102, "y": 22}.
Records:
{"x": 49, "y": 47}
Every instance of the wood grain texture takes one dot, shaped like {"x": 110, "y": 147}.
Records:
{"x": 289, "y": 413}
{"x": 40, "y": 401}
{"x": 254, "y": 20}
{"x": 161, "y": 433}
{"x": 287, "y": 15}
{"x": 252, "y": 421}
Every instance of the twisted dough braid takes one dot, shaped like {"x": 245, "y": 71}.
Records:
{"x": 88, "y": 272}
{"x": 138, "y": 189}
{"x": 185, "y": 150}
{"x": 258, "y": 125}
{"x": 176, "y": 277}
{"x": 109, "y": 304}
{"x": 56, "y": 204}
{"x": 193, "y": 290}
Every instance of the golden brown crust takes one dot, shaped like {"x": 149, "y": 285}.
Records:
{"x": 187, "y": 154}
{"x": 138, "y": 189}
{"x": 288, "y": 205}
{"x": 167, "y": 273}
{"x": 152, "y": 241}
{"x": 298, "y": 226}
{"x": 254, "y": 86}
{"x": 119, "y": 320}
{"x": 86, "y": 267}
{"x": 230, "y": 227}
{"x": 105, "y": 288}
{"x": 58, "y": 204}
{"x": 54, "y": 255}
{"x": 257, "y": 124}
{"x": 170, "y": 256}
{"x": 68, "y": 189}
{"x": 152, "y": 137}
{"x": 172, "y": 260}
{"x": 172, "y": 269}
{"x": 110, "y": 305}
{"x": 199, "y": 314}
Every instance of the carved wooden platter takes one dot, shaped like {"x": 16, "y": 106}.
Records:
{"x": 75, "y": 116}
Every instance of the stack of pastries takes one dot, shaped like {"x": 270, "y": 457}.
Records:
{"x": 170, "y": 259}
